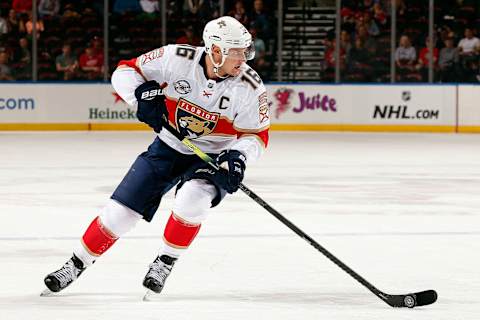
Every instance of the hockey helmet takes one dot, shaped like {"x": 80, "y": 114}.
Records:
{"x": 228, "y": 34}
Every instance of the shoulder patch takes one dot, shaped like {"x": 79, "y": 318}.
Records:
{"x": 263, "y": 108}
{"x": 152, "y": 55}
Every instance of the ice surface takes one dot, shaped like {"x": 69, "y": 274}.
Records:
{"x": 400, "y": 209}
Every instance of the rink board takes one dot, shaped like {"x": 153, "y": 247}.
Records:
{"x": 388, "y": 108}
{"x": 363, "y": 107}
{"x": 469, "y": 109}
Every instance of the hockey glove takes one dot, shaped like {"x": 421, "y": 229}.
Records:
{"x": 232, "y": 168}
{"x": 151, "y": 105}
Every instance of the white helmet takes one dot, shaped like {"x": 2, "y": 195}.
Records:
{"x": 227, "y": 33}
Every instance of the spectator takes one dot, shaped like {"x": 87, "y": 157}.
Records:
{"x": 405, "y": 55}
{"x": 470, "y": 45}
{"x": 260, "y": 64}
{"x": 91, "y": 64}
{"x": 5, "y": 71}
{"x": 3, "y": 27}
{"x": 239, "y": 13}
{"x": 22, "y": 6}
{"x": 424, "y": 56}
{"x": 48, "y": 8}
{"x": 448, "y": 62}
{"x": 446, "y": 32}
{"x": 150, "y": 6}
{"x": 359, "y": 59}
{"x": 193, "y": 6}
{"x": 67, "y": 63}
{"x": 468, "y": 48}
{"x": 24, "y": 56}
{"x": 15, "y": 25}
{"x": 379, "y": 14}
{"x": 345, "y": 42}
{"x": 348, "y": 20}
{"x": 370, "y": 24}
{"x": 29, "y": 26}
{"x": 259, "y": 19}
{"x": 330, "y": 57}
{"x": 359, "y": 63}
{"x": 97, "y": 45}
{"x": 258, "y": 43}
{"x": 406, "y": 61}
{"x": 209, "y": 10}
{"x": 368, "y": 42}
{"x": 189, "y": 37}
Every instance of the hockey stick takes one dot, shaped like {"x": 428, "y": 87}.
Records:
{"x": 401, "y": 300}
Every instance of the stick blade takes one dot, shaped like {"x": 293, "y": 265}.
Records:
{"x": 426, "y": 297}
{"x": 410, "y": 300}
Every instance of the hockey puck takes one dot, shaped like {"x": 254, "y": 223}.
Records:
{"x": 409, "y": 301}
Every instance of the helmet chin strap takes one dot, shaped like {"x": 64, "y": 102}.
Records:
{"x": 217, "y": 66}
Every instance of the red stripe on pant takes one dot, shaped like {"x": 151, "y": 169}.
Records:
{"x": 180, "y": 233}
{"x": 98, "y": 239}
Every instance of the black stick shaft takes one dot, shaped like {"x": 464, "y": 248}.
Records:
{"x": 311, "y": 241}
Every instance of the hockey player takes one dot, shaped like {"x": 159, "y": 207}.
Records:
{"x": 210, "y": 95}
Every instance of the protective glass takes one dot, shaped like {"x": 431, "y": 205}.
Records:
{"x": 241, "y": 53}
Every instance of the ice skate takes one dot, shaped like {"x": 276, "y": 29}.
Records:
{"x": 62, "y": 278}
{"x": 157, "y": 274}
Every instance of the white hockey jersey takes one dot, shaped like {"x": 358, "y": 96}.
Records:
{"x": 232, "y": 113}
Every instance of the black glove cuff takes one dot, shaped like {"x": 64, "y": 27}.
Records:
{"x": 230, "y": 156}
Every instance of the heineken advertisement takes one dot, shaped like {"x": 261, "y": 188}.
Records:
{"x": 109, "y": 114}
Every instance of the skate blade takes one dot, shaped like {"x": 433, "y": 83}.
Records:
{"x": 47, "y": 293}
{"x": 149, "y": 296}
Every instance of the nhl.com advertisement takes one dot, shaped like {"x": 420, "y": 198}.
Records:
{"x": 290, "y": 104}
{"x": 362, "y": 104}
{"x": 432, "y": 105}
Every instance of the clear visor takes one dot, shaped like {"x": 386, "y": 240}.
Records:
{"x": 241, "y": 53}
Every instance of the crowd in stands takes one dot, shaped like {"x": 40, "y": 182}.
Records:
{"x": 365, "y": 41}
{"x": 69, "y": 33}
{"x": 69, "y": 36}
{"x": 254, "y": 15}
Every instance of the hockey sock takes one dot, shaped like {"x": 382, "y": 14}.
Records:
{"x": 96, "y": 240}
{"x": 178, "y": 235}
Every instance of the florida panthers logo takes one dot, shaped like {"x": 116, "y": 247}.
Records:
{"x": 283, "y": 100}
{"x": 193, "y": 121}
